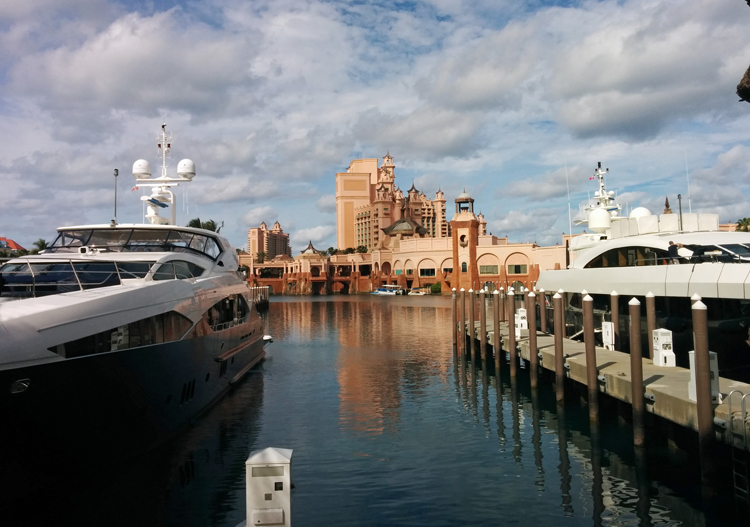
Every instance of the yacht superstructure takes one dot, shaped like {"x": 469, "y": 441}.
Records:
{"x": 631, "y": 256}
{"x": 118, "y": 335}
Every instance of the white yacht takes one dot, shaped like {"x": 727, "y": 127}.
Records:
{"x": 630, "y": 255}
{"x": 116, "y": 336}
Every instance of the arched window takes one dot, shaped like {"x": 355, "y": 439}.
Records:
{"x": 464, "y": 267}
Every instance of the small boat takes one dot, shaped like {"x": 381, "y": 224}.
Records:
{"x": 389, "y": 290}
{"x": 416, "y": 292}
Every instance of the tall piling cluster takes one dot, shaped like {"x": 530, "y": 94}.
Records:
{"x": 471, "y": 339}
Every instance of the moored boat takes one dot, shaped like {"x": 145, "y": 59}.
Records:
{"x": 631, "y": 255}
{"x": 117, "y": 336}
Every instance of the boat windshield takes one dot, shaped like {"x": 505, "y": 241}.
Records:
{"x": 136, "y": 240}
{"x": 728, "y": 253}
{"x": 34, "y": 279}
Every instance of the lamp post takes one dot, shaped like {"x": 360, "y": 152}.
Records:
{"x": 679, "y": 201}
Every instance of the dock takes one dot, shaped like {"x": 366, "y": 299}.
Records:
{"x": 666, "y": 388}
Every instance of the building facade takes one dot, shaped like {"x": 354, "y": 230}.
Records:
{"x": 272, "y": 243}
{"x": 368, "y": 201}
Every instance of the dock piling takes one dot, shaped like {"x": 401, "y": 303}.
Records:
{"x": 496, "y": 327}
{"x": 650, "y": 321}
{"x": 533, "y": 356}
{"x": 542, "y": 299}
{"x": 454, "y": 316}
{"x": 559, "y": 357}
{"x": 483, "y": 324}
{"x": 512, "y": 333}
{"x": 502, "y": 304}
{"x": 472, "y": 320}
{"x": 591, "y": 373}
{"x": 614, "y": 298}
{"x": 704, "y": 406}
{"x": 636, "y": 373}
{"x": 462, "y": 345}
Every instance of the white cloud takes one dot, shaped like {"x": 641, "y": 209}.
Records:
{"x": 327, "y": 203}
{"x": 317, "y": 234}
{"x": 254, "y": 217}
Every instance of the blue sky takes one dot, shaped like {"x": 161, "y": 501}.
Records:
{"x": 272, "y": 98}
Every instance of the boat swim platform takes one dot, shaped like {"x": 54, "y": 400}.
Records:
{"x": 666, "y": 388}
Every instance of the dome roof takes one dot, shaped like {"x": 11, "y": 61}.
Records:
{"x": 464, "y": 197}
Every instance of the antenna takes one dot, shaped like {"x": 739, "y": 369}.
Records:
{"x": 114, "y": 221}
{"x": 570, "y": 221}
{"x": 687, "y": 175}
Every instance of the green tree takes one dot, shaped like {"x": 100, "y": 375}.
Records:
{"x": 361, "y": 249}
{"x": 331, "y": 251}
{"x": 436, "y": 289}
{"x": 261, "y": 257}
{"x": 209, "y": 225}
{"x": 349, "y": 250}
{"x": 41, "y": 244}
{"x": 743, "y": 225}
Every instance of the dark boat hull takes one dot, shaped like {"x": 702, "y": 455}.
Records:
{"x": 81, "y": 414}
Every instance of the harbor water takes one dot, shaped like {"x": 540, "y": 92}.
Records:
{"x": 389, "y": 428}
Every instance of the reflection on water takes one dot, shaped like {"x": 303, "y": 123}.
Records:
{"x": 388, "y": 428}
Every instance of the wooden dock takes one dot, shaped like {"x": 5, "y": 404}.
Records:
{"x": 666, "y": 388}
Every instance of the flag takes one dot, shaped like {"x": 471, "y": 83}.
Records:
{"x": 134, "y": 188}
{"x": 592, "y": 177}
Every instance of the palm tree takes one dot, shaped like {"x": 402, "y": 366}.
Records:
{"x": 743, "y": 225}
{"x": 261, "y": 257}
{"x": 41, "y": 244}
{"x": 209, "y": 225}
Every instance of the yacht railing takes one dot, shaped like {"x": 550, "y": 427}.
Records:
{"x": 34, "y": 279}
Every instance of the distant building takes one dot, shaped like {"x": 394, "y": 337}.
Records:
{"x": 368, "y": 202}
{"x": 273, "y": 243}
{"x": 9, "y": 245}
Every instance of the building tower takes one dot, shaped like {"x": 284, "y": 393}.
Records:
{"x": 465, "y": 228}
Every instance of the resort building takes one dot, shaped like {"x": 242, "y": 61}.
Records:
{"x": 368, "y": 201}
{"x": 271, "y": 243}
{"x": 409, "y": 242}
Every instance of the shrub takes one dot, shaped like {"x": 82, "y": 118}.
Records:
{"x": 435, "y": 289}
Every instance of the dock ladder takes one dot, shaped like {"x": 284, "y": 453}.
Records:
{"x": 739, "y": 445}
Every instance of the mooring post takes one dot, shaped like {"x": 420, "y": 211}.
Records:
{"x": 483, "y": 324}
{"x": 462, "y": 339}
{"x": 704, "y": 405}
{"x": 543, "y": 309}
{"x": 472, "y": 319}
{"x": 502, "y": 304}
{"x": 512, "y": 332}
{"x": 454, "y": 316}
{"x": 650, "y": 322}
{"x": 614, "y": 308}
{"x": 591, "y": 372}
{"x": 533, "y": 357}
{"x": 695, "y": 298}
{"x": 559, "y": 357}
{"x": 636, "y": 373}
{"x": 497, "y": 339}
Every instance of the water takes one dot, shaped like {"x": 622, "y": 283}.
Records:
{"x": 388, "y": 429}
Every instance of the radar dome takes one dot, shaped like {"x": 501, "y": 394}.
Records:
{"x": 186, "y": 169}
{"x": 639, "y": 212}
{"x": 141, "y": 169}
{"x": 599, "y": 220}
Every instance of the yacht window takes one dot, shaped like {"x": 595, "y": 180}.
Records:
{"x": 179, "y": 239}
{"x": 177, "y": 269}
{"x": 109, "y": 238}
{"x": 147, "y": 240}
{"x": 96, "y": 274}
{"x": 738, "y": 249}
{"x": 198, "y": 243}
{"x": 133, "y": 269}
{"x": 228, "y": 312}
{"x": 212, "y": 248}
{"x": 72, "y": 239}
{"x": 165, "y": 327}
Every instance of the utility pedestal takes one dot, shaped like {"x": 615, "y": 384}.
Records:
{"x": 268, "y": 487}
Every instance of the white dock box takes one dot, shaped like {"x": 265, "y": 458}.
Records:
{"x": 608, "y": 335}
{"x": 662, "y": 346}
{"x": 713, "y": 362}
{"x": 268, "y": 483}
{"x": 521, "y": 322}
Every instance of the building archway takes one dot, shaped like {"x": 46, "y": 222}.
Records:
{"x": 387, "y": 268}
{"x": 315, "y": 271}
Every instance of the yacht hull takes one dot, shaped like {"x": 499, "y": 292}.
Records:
{"x": 81, "y": 414}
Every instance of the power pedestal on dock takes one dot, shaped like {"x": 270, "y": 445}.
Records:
{"x": 268, "y": 487}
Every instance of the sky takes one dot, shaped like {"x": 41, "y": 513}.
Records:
{"x": 515, "y": 101}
